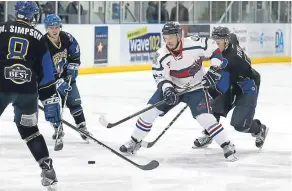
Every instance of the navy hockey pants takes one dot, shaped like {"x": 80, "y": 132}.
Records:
{"x": 244, "y": 109}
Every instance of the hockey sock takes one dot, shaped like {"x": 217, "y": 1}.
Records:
{"x": 142, "y": 129}
{"x": 144, "y": 124}
{"x": 78, "y": 115}
{"x": 214, "y": 129}
{"x": 37, "y": 146}
{"x": 255, "y": 127}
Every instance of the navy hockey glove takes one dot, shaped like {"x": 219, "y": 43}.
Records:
{"x": 170, "y": 96}
{"x": 72, "y": 70}
{"x": 61, "y": 65}
{"x": 63, "y": 87}
{"x": 211, "y": 77}
{"x": 52, "y": 109}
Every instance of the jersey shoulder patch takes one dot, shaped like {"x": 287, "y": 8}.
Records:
{"x": 67, "y": 35}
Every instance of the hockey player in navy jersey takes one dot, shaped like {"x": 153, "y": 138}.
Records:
{"x": 238, "y": 88}
{"x": 176, "y": 66}
{"x": 65, "y": 53}
{"x": 26, "y": 74}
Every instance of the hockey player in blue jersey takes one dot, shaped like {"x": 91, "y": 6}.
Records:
{"x": 26, "y": 74}
{"x": 65, "y": 52}
{"x": 238, "y": 88}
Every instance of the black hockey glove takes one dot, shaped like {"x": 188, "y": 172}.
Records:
{"x": 170, "y": 96}
{"x": 211, "y": 77}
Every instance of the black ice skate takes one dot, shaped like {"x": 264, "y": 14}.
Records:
{"x": 202, "y": 141}
{"x": 261, "y": 136}
{"x": 131, "y": 147}
{"x": 229, "y": 151}
{"x": 48, "y": 174}
{"x": 82, "y": 127}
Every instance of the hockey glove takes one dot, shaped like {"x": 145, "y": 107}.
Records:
{"x": 211, "y": 77}
{"x": 52, "y": 109}
{"x": 170, "y": 96}
{"x": 63, "y": 87}
{"x": 61, "y": 65}
{"x": 72, "y": 70}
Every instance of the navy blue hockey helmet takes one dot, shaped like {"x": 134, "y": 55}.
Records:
{"x": 172, "y": 28}
{"x": 221, "y": 33}
{"x": 52, "y": 20}
{"x": 27, "y": 11}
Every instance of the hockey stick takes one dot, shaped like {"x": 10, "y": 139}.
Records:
{"x": 150, "y": 144}
{"x": 150, "y": 166}
{"x": 107, "y": 124}
{"x": 59, "y": 145}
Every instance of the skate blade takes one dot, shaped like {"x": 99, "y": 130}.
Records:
{"x": 53, "y": 187}
{"x": 232, "y": 158}
{"x": 267, "y": 131}
{"x": 202, "y": 147}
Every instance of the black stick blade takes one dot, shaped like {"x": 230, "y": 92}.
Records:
{"x": 150, "y": 166}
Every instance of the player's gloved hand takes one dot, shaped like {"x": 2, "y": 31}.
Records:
{"x": 52, "y": 109}
{"x": 61, "y": 65}
{"x": 63, "y": 87}
{"x": 170, "y": 96}
{"x": 211, "y": 77}
{"x": 72, "y": 70}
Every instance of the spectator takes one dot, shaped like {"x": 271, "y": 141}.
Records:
{"x": 152, "y": 12}
{"x": 164, "y": 13}
{"x": 50, "y": 8}
{"x": 183, "y": 13}
{"x": 73, "y": 7}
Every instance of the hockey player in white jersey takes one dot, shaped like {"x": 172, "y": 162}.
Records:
{"x": 178, "y": 65}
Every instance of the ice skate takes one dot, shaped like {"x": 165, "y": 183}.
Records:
{"x": 229, "y": 151}
{"x": 82, "y": 127}
{"x": 49, "y": 179}
{"x": 202, "y": 141}
{"x": 261, "y": 136}
{"x": 131, "y": 147}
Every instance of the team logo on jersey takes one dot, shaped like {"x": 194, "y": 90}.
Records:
{"x": 58, "y": 56}
{"x": 224, "y": 63}
{"x": 70, "y": 36}
{"x": 18, "y": 74}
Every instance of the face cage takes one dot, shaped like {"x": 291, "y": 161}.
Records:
{"x": 35, "y": 20}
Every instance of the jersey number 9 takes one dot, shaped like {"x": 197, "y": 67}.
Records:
{"x": 17, "y": 48}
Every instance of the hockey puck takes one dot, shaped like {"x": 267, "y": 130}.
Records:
{"x": 91, "y": 162}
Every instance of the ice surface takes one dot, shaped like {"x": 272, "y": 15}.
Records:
{"x": 181, "y": 167}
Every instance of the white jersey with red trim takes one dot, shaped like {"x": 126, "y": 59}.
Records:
{"x": 185, "y": 70}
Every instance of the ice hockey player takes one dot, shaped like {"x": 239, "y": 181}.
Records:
{"x": 65, "y": 54}
{"x": 238, "y": 88}
{"x": 26, "y": 73}
{"x": 176, "y": 66}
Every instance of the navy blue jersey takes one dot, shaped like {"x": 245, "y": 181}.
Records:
{"x": 237, "y": 71}
{"x": 25, "y": 62}
{"x": 67, "y": 48}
